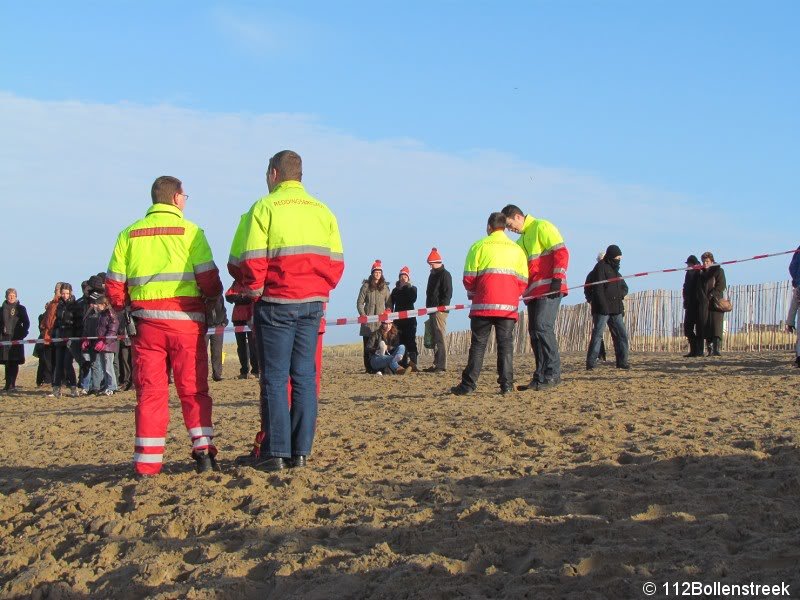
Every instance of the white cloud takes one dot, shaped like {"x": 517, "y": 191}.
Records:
{"x": 256, "y": 35}
{"x": 72, "y": 175}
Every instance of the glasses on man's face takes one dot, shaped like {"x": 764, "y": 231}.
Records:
{"x": 185, "y": 196}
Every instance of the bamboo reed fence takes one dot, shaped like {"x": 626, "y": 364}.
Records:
{"x": 654, "y": 319}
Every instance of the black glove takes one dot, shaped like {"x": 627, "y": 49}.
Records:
{"x": 555, "y": 286}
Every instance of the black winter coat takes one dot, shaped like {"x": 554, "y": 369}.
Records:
{"x": 607, "y": 298}
{"x": 690, "y": 283}
{"x": 69, "y": 319}
{"x": 711, "y": 283}
{"x": 17, "y": 329}
{"x": 403, "y": 297}
{"x": 440, "y": 288}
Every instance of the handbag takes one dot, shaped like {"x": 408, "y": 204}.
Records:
{"x": 721, "y": 304}
{"x": 427, "y": 338}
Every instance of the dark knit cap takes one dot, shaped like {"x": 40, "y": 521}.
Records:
{"x": 613, "y": 251}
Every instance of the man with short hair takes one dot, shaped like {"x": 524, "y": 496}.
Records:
{"x": 163, "y": 267}
{"x": 288, "y": 253}
{"x": 548, "y": 259}
{"x": 495, "y": 274}
{"x": 438, "y": 293}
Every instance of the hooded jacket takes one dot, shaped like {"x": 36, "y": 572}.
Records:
{"x": 607, "y": 298}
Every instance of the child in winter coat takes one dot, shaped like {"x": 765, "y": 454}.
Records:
{"x": 107, "y": 345}
{"x": 92, "y": 381}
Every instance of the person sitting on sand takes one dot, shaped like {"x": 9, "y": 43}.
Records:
{"x": 385, "y": 349}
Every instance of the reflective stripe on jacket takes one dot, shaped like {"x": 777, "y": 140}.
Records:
{"x": 548, "y": 257}
{"x": 288, "y": 249}
{"x": 164, "y": 265}
{"x": 495, "y": 274}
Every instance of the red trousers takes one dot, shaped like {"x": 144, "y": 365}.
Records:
{"x": 155, "y": 347}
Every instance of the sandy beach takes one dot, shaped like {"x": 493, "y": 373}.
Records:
{"x": 678, "y": 470}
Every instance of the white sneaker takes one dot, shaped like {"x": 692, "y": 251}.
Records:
{"x": 378, "y": 373}
{"x": 109, "y": 392}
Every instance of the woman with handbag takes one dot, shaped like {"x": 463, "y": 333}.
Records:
{"x": 712, "y": 304}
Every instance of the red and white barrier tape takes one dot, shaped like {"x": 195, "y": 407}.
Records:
{"x": 420, "y": 312}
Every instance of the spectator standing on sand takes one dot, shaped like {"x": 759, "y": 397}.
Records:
{"x": 711, "y": 287}
{"x": 63, "y": 326}
{"x": 438, "y": 293}
{"x": 692, "y": 328}
{"x": 608, "y": 308}
{"x": 794, "y": 268}
{"x": 403, "y": 296}
{"x": 548, "y": 259}
{"x": 242, "y": 316}
{"x": 124, "y": 356}
{"x": 373, "y": 299}
{"x": 216, "y": 316}
{"x": 495, "y": 274}
{"x": 587, "y": 293}
{"x": 44, "y": 352}
{"x": 92, "y": 380}
{"x": 14, "y": 325}
{"x": 107, "y": 345}
{"x": 792, "y": 324}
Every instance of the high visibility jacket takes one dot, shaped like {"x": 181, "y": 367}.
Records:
{"x": 548, "y": 257}
{"x": 495, "y": 274}
{"x": 288, "y": 249}
{"x": 163, "y": 265}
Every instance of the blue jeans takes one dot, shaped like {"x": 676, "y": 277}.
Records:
{"x": 286, "y": 337}
{"x": 392, "y": 360}
{"x": 107, "y": 359}
{"x": 619, "y": 336}
{"x": 92, "y": 381}
{"x": 542, "y": 314}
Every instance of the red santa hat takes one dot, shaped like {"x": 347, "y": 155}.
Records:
{"x": 406, "y": 271}
{"x": 376, "y": 266}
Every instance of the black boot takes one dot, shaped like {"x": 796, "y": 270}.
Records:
{"x": 715, "y": 344}
{"x": 692, "y": 348}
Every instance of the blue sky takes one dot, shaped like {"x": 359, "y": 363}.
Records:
{"x": 667, "y": 128}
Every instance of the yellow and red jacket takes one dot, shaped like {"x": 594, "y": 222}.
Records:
{"x": 287, "y": 248}
{"x": 495, "y": 274}
{"x": 162, "y": 265}
{"x": 548, "y": 257}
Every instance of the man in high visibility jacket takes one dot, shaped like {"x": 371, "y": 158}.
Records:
{"x": 548, "y": 259}
{"x": 237, "y": 295}
{"x": 290, "y": 260}
{"x": 162, "y": 266}
{"x": 495, "y": 274}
